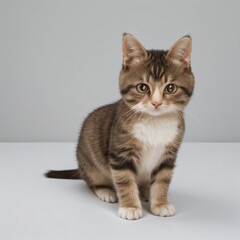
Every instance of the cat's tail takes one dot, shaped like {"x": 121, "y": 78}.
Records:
{"x": 64, "y": 174}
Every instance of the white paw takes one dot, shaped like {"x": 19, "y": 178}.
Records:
{"x": 167, "y": 210}
{"x": 130, "y": 213}
{"x": 106, "y": 195}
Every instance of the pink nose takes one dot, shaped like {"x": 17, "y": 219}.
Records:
{"x": 156, "y": 104}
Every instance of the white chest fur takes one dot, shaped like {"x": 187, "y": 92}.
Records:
{"x": 154, "y": 134}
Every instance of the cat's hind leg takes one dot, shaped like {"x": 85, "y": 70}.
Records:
{"x": 102, "y": 187}
{"x": 98, "y": 180}
{"x": 100, "y": 184}
{"x": 105, "y": 193}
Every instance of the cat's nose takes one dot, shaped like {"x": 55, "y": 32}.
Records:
{"x": 156, "y": 104}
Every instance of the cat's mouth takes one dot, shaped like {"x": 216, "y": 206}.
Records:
{"x": 155, "y": 111}
{"x": 150, "y": 110}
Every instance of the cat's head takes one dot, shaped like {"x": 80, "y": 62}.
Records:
{"x": 156, "y": 82}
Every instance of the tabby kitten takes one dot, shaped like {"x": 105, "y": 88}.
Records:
{"x": 127, "y": 150}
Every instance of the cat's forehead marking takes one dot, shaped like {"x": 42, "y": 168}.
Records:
{"x": 156, "y": 65}
{"x": 165, "y": 79}
{"x": 156, "y": 71}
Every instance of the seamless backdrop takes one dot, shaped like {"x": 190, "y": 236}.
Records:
{"x": 59, "y": 60}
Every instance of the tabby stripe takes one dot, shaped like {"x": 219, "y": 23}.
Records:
{"x": 172, "y": 148}
{"x": 161, "y": 73}
{"x": 185, "y": 90}
{"x": 150, "y": 57}
{"x": 113, "y": 155}
{"x": 164, "y": 79}
{"x": 180, "y": 101}
{"x": 157, "y": 72}
{"x": 128, "y": 153}
{"x": 166, "y": 181}
{"x": 124, "y": 165}
{"x": 167, "y": 164}
{"x": 131, "y": 100}
{"x": 127, "y": 89}
{"x": 123, "y": 182}
{"x": 119, "y": 163}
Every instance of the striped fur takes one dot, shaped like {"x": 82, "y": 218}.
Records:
{"x": 127, "y": 150}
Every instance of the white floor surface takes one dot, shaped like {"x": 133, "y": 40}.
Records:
{"x": 205, "y": 191}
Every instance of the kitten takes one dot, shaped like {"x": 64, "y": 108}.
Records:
{"x": 127, "y": 150}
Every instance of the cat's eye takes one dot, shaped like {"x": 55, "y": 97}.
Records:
{"x": 170, "y": 88}
{"x": 142, "y": 88}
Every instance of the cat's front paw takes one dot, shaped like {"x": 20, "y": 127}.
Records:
{"x": 130, "y": 213}
{"x": 166, "y": 210}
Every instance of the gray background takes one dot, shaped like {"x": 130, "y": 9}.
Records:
{"x": 61, "y": 59}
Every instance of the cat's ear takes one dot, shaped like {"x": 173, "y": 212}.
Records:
{"x": 180, "y": 52}
{"x": 133, "y": 51}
